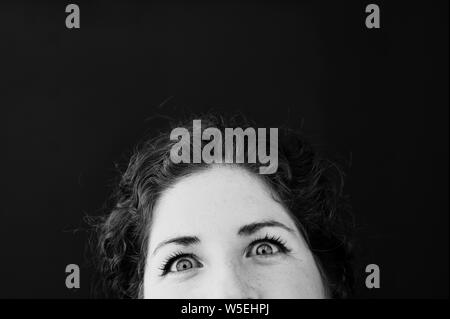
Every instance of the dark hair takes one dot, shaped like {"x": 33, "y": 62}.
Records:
{"x": 310, "y": 188}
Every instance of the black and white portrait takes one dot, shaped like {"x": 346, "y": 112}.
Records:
{"x": 229, "y": 150}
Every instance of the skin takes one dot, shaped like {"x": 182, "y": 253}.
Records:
{"x": 213, "y": 206}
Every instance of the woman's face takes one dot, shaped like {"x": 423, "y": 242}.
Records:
{"x": 219, "y": 234}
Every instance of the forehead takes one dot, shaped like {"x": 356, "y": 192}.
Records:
{"x": 213, "y": 203}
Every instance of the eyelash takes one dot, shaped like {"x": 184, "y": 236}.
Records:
{"x": 275, "y": 240}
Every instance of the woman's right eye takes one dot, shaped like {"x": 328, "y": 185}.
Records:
{"x": 180, "y": 263}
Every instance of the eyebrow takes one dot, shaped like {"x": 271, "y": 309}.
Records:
{"x": 252, "y": 228}
{"x": 182, "y": 240}
{"x": 245, "y": 230}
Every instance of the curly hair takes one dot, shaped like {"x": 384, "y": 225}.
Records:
{"x": 309, "y": 186}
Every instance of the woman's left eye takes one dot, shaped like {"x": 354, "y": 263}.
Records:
{"x": 267, "y": 246}
{"x": 265, "y": 249}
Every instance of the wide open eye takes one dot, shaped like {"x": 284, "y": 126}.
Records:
{"x": 180, "y": 262}
{"x": 266, "y": 247}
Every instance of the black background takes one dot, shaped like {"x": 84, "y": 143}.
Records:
{"x": 74, "y": 102}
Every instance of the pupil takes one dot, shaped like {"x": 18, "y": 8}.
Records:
{"x": 183, "y": 264}
{"x": 264, "y": 249}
